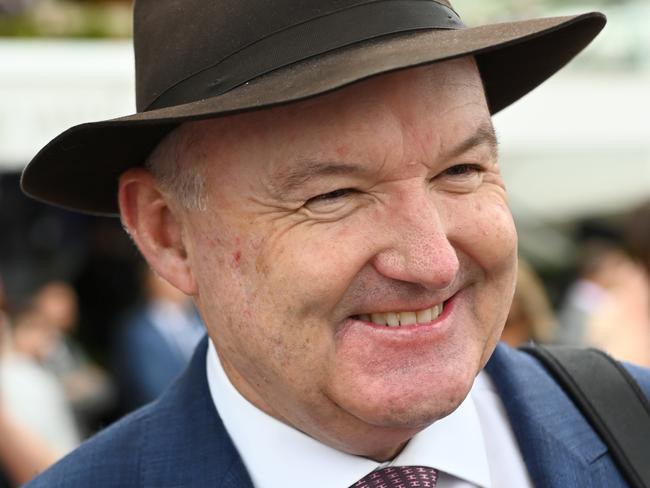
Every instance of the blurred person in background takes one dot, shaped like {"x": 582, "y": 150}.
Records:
{"x": 637, "y": 234}
{"x": 531, "y": 316}
{"x": 608, "y": 305}
{"x": 636, "y": 231}
{"x": 88, "y": 388}
{"x": 155, "y": 341}
{"x": 36, "y": 424}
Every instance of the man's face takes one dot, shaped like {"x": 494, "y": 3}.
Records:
{"x": 330, "y": 217}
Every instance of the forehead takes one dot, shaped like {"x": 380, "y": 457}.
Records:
{"x": 437, "y": 100}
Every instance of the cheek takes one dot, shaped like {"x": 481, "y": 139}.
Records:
{"x": 219, "y": 257}
{"x": 313, "y": 265}
{"x": 275, "y": 285}
{"x": 488, "y": 239}
{"x": 485, "y": 231}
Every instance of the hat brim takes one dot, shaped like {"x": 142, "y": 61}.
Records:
{"x": 79, "y": 169}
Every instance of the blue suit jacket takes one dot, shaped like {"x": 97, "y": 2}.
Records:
{"x": 180, "y": 441}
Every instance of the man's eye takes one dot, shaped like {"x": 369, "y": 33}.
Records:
{"x": 330, "y": 196}
{"x": 463, "y": 170}
{"x": 331, "y": 203}
{"x": 460, "y": 178}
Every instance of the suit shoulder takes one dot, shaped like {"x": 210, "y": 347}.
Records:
{"x": 110, "y": 458}
{"x": 509, "y": 364}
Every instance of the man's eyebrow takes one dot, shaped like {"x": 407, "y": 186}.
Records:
{"x": 288, "y": 181}
{"x": 484, "y": 135}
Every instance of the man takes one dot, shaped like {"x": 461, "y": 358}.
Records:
{"x": 351, "y": 252}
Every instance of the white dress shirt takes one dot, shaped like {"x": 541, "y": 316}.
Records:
{"x": 472, "y": 447}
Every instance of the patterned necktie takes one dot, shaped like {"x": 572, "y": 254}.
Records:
{"x": 399, "y": 477}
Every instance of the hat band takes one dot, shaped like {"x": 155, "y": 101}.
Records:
{"x": 307, "y": 39}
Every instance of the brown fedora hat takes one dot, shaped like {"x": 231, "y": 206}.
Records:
{"x": 197, "y": 59}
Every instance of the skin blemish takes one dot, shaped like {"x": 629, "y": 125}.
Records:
{"x": 342, "y": 151}
{"x": 236, "y": 258}
{"x": 213, "y": 241}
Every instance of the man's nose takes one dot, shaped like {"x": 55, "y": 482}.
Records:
{"x": 417, "y": 248}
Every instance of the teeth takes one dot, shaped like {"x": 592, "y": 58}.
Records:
{"x": 392, "y": 319}
{"x": 407, "y": 318}
{"x": 395, "y": 319}
{"x": 379, "y": 318}
{"x": 424, "y": 316}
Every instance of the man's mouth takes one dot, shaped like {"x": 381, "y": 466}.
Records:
{"x": 398, "y": 319}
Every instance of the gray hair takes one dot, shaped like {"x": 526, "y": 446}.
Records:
{"x": 175, "y": 166}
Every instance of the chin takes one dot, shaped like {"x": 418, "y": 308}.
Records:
{"x": 410, "y": 408}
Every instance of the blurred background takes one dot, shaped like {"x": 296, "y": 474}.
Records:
{"x": 79, "y": 309}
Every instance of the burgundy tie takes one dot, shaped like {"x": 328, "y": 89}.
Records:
{"x": 399, "y": 477}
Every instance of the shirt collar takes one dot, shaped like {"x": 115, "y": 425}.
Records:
{"x": 272, "y": 450}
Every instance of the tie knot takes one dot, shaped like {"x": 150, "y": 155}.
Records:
{"x": 399, "y": 477}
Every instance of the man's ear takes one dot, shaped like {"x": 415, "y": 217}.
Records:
{"x": 155, "y": 228}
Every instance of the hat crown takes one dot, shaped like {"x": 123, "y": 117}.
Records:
{"x": 176, "y": 39}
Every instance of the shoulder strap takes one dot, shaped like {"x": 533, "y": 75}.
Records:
{"x": 610, "y": 399}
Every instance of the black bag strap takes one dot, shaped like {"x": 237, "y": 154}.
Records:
{"x": 610, "y": 399}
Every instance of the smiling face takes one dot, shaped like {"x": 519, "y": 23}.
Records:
{"x": 331, "y": 221}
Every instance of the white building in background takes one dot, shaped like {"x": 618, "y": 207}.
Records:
{"x": 579, "y": 144}
{"x": 47, "y": 86}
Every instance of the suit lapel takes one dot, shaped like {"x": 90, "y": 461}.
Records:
{"x": 186, "y": 443}
{"x": 557, "y": 444}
